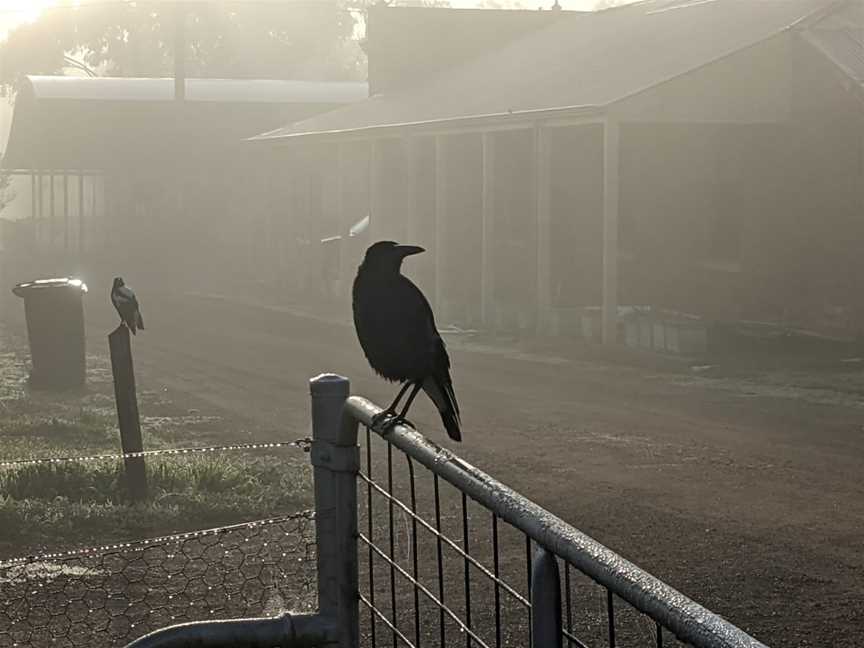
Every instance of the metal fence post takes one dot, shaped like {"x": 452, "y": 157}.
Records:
{"x": 336, "y": 460}
{"x": 546, "y": 630}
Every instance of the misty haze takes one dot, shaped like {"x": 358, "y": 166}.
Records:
{"x": 431, "y": 323}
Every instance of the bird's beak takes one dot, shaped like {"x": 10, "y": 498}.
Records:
{"x": 408, "y": 250}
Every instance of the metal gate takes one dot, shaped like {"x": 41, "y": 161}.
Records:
{"x": 417, "y": 547}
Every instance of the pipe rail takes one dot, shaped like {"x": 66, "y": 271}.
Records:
{"x": 688, "y": 620}
{"x": 283, "y": 631}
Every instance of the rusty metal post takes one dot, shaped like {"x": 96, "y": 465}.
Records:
{"x": 127, "y": 411}
{"x": 336, "y": 460}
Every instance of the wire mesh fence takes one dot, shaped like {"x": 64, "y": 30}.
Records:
{"x": 111, "y": 595}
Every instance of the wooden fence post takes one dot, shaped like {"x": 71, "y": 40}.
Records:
{"x": 336, "y": 459}
{"x": 127, "y": 411}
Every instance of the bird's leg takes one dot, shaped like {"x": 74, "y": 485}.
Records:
{"x": 391, "y": 410}
{"x": 400, "y": 419}
{"x": 410, "y": 400}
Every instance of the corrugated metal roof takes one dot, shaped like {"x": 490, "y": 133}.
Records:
{"x": 96, "y": 123}
{"x": 198, "y": 90}
{"x": 593, "y": 62}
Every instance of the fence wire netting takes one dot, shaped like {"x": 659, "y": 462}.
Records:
{"x": 111, "y": 595}
{"x": 303, "y": 444}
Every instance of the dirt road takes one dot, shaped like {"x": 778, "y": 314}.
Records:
{"x": 744, "y": 494}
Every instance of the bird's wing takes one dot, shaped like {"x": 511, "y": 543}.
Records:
{"x": 441, "y": 360}
{"x": 124, "y": 294}
{"x": 129, "y": 295}
{"x": 122, "y": 303}
{"x": 423, "y": 337}
{"x": 419, "y": 321}
{"x": 421, "y": 318}
{"x": 126, "y": 304}
{"x": 438, "y": 385}
{"x": 440, "y": 391}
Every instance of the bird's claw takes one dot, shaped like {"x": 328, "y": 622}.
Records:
{"x": 401, "y": 420}
{"x": 381, "y": 417}
{"x": 386, "y": 421}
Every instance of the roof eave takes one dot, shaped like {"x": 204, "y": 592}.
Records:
{"x": 494, "y": 121}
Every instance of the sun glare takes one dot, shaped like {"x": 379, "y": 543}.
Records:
{"x": 17, "y": 12}
{"x": 23, "y": 10}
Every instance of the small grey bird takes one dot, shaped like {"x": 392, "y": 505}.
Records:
{"x": 396, "y": 329}
{"x": 126, "y": 303}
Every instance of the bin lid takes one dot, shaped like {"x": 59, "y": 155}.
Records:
{"x": 40, "y": 284}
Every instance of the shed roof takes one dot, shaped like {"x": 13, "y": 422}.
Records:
{"x": 197, "y": 90}
{"x": 96, "y": 123}
{"x": 589, "y": 63}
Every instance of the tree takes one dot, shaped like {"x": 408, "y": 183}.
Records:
{"x": 303, "y": 39}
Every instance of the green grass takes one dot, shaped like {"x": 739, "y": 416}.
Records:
{"x": 47, "y": 505}
{"x": 54, "y": 507}
{"x": 27, "y": 432}
{"x": 86, "y": 427}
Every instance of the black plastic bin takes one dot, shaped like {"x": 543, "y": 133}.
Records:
{"x": 55, "y": 326}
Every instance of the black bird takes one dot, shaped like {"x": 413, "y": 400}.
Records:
{"x": 126, "y": 303}
{"x": 397, "y": 331}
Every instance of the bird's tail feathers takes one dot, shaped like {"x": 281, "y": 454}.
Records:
{"x": 140, "y": 320}
{"x": 440, "y": 390}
